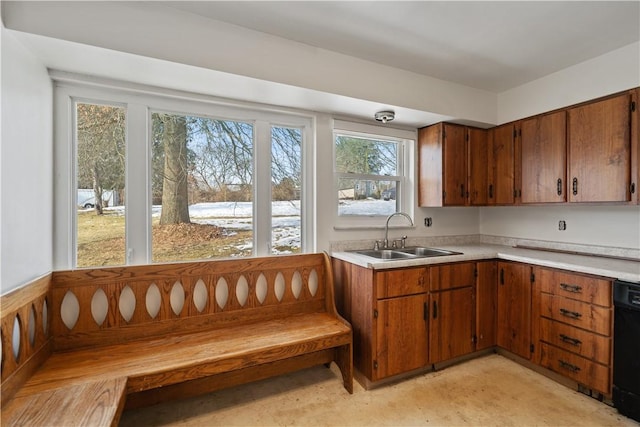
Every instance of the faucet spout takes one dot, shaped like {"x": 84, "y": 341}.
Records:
{"x": 386, "y": 227}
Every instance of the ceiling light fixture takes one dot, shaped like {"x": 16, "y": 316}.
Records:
{"x": 385, "y": 116}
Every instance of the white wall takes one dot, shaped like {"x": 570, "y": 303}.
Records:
{"x": 614, "y": 226}
{"x": 612, "y": 72}
{"x": 26, "y": 189}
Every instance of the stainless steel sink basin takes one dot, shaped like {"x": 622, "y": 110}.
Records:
{"x": 405, "y": 253}
{"x": 386, "y": 254}
{"x": 428, "y": 252}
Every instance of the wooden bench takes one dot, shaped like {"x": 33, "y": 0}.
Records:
{"x": 134, "y": 336}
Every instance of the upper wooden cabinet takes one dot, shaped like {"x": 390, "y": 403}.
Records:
{"x": 446, "y": 164}
{"x": 599, "y": 150}
{"x": 586, "y": 153}
{"x": 442, "y": 165}
{"x": 543, "y": 158}
{"x": 502, "y": 168}
{"x": 478, "y": 164}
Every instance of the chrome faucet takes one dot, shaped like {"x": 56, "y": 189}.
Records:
{"x": 386, "y": 227}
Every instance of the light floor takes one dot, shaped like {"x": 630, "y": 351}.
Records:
{"x": 490, "y": 390}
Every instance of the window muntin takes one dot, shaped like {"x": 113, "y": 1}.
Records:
{"x": 369, "y": 174}
{"x": 100, "y": 132}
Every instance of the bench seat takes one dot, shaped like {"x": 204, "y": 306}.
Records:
{"x": 216, "y": 324}
{"x": 139, "y": 366}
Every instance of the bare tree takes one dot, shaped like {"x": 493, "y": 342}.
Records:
{"x": 175, "y": 203}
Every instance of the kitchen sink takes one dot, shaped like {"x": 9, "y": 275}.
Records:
{"x": 427, "y": 252}
{"x": 386, "y": 254}
{"x": 406, "y": 253}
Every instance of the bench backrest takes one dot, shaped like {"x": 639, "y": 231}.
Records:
{"x": 104, "y": 306}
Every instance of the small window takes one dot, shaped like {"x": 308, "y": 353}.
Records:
{"x": 371, "y": 175}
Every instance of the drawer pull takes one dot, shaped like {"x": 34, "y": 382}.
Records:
{"x": 568, "y": 366}
{"x": 571, "y": 288}
{"x": 569, "y": 340}
{"x": 569, "y": 313}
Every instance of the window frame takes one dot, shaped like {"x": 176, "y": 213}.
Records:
{"x": 405, "y": 194}
{"x": 140, "y": 102}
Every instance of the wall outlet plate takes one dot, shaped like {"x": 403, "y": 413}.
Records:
{"x": 562, "y": 225}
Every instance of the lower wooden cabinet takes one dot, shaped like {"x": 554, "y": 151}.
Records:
{"x": 486, "y": 304}
{"x": 401, "y": 335}
{"x": 409, "y": 318}
{"x": 451, "y": 324}
{"x": 514, "y": 308}
{"x": 574, "y": 319}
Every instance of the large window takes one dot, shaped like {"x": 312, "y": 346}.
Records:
{"x": 372, "y": 173}
{"x": 150, "y": 177}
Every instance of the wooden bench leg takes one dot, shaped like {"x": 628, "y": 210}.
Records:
{"x": 344, "y": 360}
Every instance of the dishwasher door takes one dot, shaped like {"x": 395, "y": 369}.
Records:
{"x": 626, "y": 349}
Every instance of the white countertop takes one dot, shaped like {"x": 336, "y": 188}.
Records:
{"x": 600, "y": 266}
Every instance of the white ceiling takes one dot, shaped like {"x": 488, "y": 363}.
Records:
{"x": 492, "y": 46}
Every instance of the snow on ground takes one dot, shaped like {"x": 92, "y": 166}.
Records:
{"x": 235, "y": 216}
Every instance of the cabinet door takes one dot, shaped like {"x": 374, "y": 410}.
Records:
{"x": 514, "y": 308}
{"x": 451, "y": 324}
{"x": 502, "y": 172}
{"x": 430, "y": 167}
{"x": 543, "y": 155}
{"x": 401, "y": 335}
{"x": 455, "y": 165}
{"x": 478, "y": 167}
{"x": 486, "y": 304}
{"x": 600, "y": 151}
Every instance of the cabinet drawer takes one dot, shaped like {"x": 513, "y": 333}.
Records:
{"x": 584, "y": 288}
{"x": 586, "y": 344}
{"x": 591, "y": 374}
{"x": 395, "y": 283}
{"x": 580, "y": 314}
{"x": 451, "y": 276}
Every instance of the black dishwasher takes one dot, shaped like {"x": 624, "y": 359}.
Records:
{"x": 626, "y": 349}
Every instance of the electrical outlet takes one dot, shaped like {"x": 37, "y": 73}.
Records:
{"x": 562, "y": 225}
{"x": 428, "y": 222}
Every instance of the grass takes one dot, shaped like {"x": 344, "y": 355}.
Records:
{"x": 101, "y": 241}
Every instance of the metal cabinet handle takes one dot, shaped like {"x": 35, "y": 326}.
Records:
{"x": 435, "y": 309}
{"x": 568, "y": 366}
{"x": 575, "y": 186}
{"x": 573, "y": 341}
{"x": 491, "y": 191}
{"x": 569, "y": 313}
{"x": 559, "y": 186}
{"x": 571, "y": 288}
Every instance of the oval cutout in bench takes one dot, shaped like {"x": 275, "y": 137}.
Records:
{"x": 70, "y": 310}
{"x": 99, "y": 306}
{"x": 200, "y": 295}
